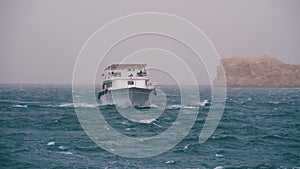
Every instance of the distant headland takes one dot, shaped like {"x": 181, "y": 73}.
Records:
{"x": 259, "y": 71}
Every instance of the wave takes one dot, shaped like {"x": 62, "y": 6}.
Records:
{"x": 170, "y": 162}
{"x": 20, "y": 106}
{"x": 66, "y": 152}
{"x": 17, "y": 101}
{"x": 147, "y": 121}
{"x": 204, "y": 103}
{"x": 189, "y": 107}
{"x": 77, "y": 105}
{"x": 153, "y": 106}
{"x": 279, "y": 138}
{"x": 159, "y": 126}
{"x": 274, "y": 102}
{"x": 51, "y": 143}
{"x": 273, "y": 137}
{"x": 174, "y": 107}
{"x": 226, "y": 138}
{"x": 186, "y": 147}
{"x": 66, "y": 105}
{"x": 25, "y": 104}
{"x": 177, "y": 106}
{"x": 62, "y": 147}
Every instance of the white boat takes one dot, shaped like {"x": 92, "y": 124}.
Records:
{"x": 126, "y": 84}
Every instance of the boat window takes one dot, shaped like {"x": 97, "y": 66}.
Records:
{"x": 130, "y": 83}
{"x": 107, "y": 84}
{"x": 116, "y": 74}
{"x": 139, "y": 74}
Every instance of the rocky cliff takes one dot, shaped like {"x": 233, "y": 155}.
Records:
{"x": 261, "y": 71}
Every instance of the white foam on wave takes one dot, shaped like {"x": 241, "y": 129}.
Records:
{"x": 77, "y": 105}
{"x": 189, "y": 112}
{"x": 62, "y": 147}
{"x": 51, "y": 143}
{"x": 174, "y": 106}
{"x": 20, "y": 106}
{"x": 66, "y": 152}
{"x": 108, "y": 104}
{"x": 85, "y": 105}
{"x": 153, "y": 105}
{"x": 219, "y": 155}
{"x": 147, "y": 121}
{"x": 274, "y": 102}
{"x": 219, "y": 167}
{"x": 157, "y": 125}
{"x": 66, "y": 105}
{"x": 125, "y": 122}
{"x": 20, "y": 101}
{"x": 204, "y": 103}
{"x": 170, "y": 162}
{"x": 189, "y": 107}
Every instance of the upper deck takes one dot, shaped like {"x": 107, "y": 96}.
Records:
{"x": 125, "y": 66}
{"x": 125, "y": 71}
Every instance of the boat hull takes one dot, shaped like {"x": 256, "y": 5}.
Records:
{"x": 137, "y": 97}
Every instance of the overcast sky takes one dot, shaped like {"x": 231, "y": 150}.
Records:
{"x": 40, "y": 40}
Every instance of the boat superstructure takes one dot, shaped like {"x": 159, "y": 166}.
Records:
{"x": 126, "y": 84}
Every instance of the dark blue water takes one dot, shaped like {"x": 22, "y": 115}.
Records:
{"x": 259, "y": 129}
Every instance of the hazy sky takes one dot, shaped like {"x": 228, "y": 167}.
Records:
{"x": 40, "y": 40}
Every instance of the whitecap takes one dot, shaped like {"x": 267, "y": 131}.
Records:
{"x": 174, "y": 106}
{"x": 147, "y": 121}
{"x": 85, "y": 105}
{"x": 125, "y": 122}
{"x": 61, "y": 147}
{"x": 20, "y": 106}
{"x": 127, "y": 129}
{"x": 204, "y": 103}
{"x": 189, "y": 112}
{"x": 219, "y": 167}
{"x": 186, "y": 147}
{"x": 157, "y": 125}
{"x": 66, "y": 105}
{"x": 219, "y": 155}
{"x": 51, "y": 143}
{"x": 272, "y": 102}
{"x": 170, "y": 162}
{"x": 107, "y": 128}
{"x": 66, "y": 152}
{"x": 77, "y": 105}
{"x": 153, "y": 106}
{"x": 189, "y": 107}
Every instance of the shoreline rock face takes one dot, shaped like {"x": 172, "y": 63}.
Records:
{"x": 259, "y": 71}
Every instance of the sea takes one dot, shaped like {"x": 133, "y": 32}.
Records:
{"x": 259, "y": 128}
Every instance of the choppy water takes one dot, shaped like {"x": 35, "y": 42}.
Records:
{"x": 259, "y": 129}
